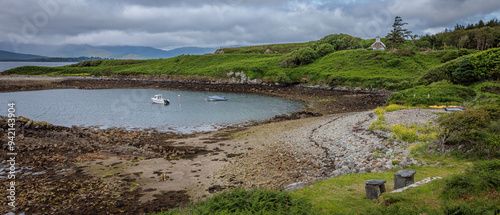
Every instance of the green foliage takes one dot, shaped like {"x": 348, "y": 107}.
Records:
{"x": 339, "y": 42}
{"x": 405, "y": 52}
{"x": 394, "y": 62}
{"x": 465, "y": 121}
{"x": 394, "y": 107}
{"x": 450, "y": 56}
{"x": 379, "y": 123}
{"x": 466, "y": 69}
{"x": 433, "y": 94}
{"x": 486, "y": 63}
{"x": 465, "y": 74}
{"x": 88, "y": 63}
{"x": 282, "y": 78}
{"x": 281, "y": 48}
{"x": 398, "y": 33}
{"x": 299, "y": 57}
{"x": 404, "y": 133}
{"x": 491, "y": 88}
{"x": 483, "y": 177}
{"x": 306, "y": 55}
{"x": 473, "y": 133}
{"x": 325, "y": 49}
{"x": 240, "y": 201}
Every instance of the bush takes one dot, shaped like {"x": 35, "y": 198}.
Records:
{"x": 282, "y": 78}
{"x": 334, "y": 80}
{"x": 240, "y": 201}
{"x": 340, "y": 41}
{"x": 483, "y": 177}
{"x": 405, "y": 52}
{"x": 325, "y": 49}
{"x": 404, "y": 133}
{"x": 89, "y": 63}
{"x": 466, "y": 69}
{"x": 486, "y": 63}
{"x": 450, "y": 55}
{"x": 299, "y": 57}
{"x": 465, "y": 74}
{"x": 465, "y": 121}
{"x": 437, "y": 93}
{"x": 393, "y": 63}
{"x": 473, "y": 132}
{"x": 394, "y": 107}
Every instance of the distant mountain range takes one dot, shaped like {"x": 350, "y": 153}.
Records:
{"x": 117, "y": 52}
{"x": 5, "y": 55}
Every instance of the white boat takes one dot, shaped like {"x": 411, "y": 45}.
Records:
{"x": 158, "y": 99}
{"x": 217, "y": 98}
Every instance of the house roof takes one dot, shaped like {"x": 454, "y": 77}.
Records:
{"x": 377, "y": 40}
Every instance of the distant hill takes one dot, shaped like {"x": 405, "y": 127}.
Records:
{"x": 117, "y": 52}
{"x": 5, "y": 55}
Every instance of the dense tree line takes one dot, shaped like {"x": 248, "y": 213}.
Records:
{"x": 479, "y": 36}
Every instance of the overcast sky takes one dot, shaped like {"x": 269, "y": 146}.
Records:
{"x": 169, "y": 24}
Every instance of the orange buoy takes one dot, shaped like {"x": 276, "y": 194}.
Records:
{"x": 149, "y": 101}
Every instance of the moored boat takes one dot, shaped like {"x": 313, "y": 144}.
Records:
{"x": 217, "y": 98}
{"x": 158, "y": 99}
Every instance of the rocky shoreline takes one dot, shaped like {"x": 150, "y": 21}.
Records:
{"x": 326, "y": 147}
{"x": 79, "y": 170}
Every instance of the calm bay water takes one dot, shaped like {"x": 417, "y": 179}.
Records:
{"x": 11, "y": 65}
{"x": 130, "y": 108}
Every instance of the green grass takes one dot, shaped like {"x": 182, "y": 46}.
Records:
{"x": 442, "y": 93}
{"x": 346, "y": 194}
{"x": 280, "y": 48}
{"x": 342, "y": 68}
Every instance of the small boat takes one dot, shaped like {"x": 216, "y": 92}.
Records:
{"x": 454, "y": 109}
{"x": 217, "y": 98}
{"x": 158, "y": 99}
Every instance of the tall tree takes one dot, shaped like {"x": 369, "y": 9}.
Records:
{"x": 398, "y": 33}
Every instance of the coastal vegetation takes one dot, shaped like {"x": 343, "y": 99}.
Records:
{"x": 459, "y": 67}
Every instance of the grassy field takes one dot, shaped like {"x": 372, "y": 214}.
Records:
{"x": 355, "y": 68}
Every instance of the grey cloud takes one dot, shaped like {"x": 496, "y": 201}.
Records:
{"x": 223, "y": 22}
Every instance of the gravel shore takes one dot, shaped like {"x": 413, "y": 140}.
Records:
{"x": 321, "y": 148}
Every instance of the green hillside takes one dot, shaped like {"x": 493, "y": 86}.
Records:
{"x": 354, "y": 68}
{"x": 336, "y": 60}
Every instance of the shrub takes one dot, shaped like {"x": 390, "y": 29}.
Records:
{"x": 394, "y": 107}
{"x": 325, "y": 49}
{"x": 299, "y": 57}
{"x": 89, "y": 63}
{"x": 334, "y": 80}
{"x": 339, "y": 41}
{"x": 486, "y": 62}
{"x": 437, "y": 93}
{"x": 404, "y": 133}
{"x": 483, "y": 177}
{"x": 405, "y": 52}
{"x": 473, "y": 132}
{"x": 450, "y": 55}
{"x": 306, "y": 55}
{"x": 393, "y": 63}
{"x": 240, "y": 201}
{"x": 290, "y": 61}
{"x": 483, "y": 65}
{"x": 282, "y": 78}
{"x": 465, "y": 74}
{"x": 465, "y": 121}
